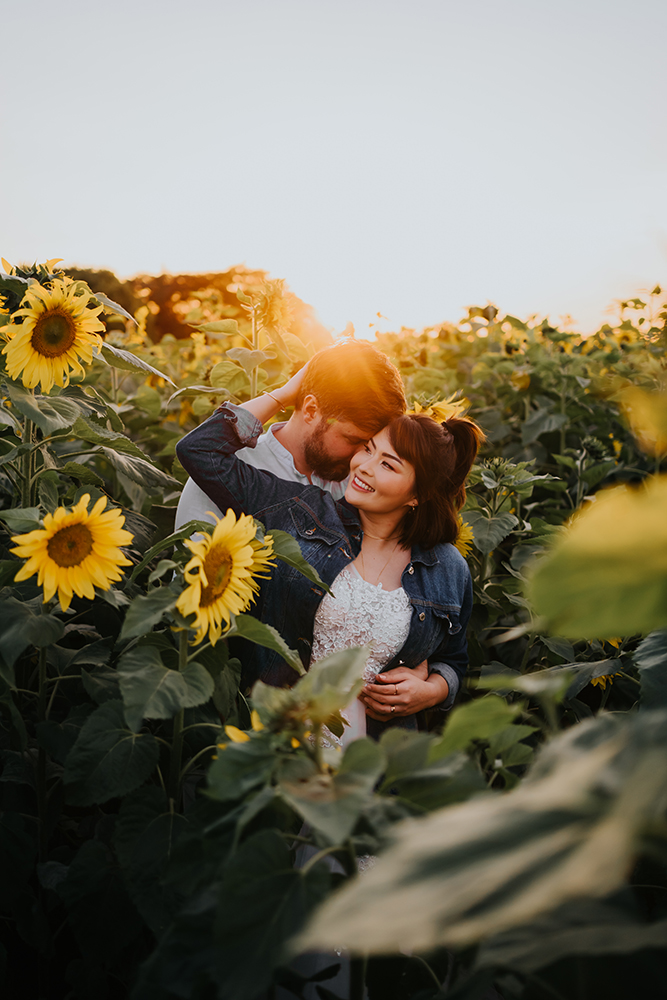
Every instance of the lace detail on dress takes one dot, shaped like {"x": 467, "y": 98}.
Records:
{"x": 362, "y": 614}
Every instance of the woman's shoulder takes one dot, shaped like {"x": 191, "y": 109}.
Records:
{"x": 443, "y": 557}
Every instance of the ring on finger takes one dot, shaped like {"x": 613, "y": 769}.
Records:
{"x": 393, "y": 708}
{"x": 395, "y": 688}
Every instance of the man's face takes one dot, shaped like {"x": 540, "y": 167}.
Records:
{"x": 330, "y": 447}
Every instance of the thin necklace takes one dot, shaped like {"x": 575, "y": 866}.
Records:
{"x": 380, "y": 538}
{"x": 361, "y": 556}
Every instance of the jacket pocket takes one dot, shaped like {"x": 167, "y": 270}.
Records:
{"x": 449, "y": 618}
{"x": 308, "y": 528}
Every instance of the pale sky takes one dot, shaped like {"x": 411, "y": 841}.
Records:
{"x": 408, "y": 157}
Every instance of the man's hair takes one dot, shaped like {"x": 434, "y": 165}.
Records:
{"x": 354, "y": 381}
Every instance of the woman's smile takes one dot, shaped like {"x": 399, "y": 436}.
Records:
{"x": 359, "y": 484}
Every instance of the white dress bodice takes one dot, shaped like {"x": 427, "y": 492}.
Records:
{"x": 359, "y": 614}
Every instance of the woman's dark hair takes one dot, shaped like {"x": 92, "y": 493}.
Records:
{"x": 442, "y": 456}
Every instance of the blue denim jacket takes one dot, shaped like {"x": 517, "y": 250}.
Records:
{"x": 329, "y": 533}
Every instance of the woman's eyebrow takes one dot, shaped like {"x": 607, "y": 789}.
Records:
{"x": 394, "y": 458}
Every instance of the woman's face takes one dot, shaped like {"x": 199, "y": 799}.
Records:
{"x": 380, "y": 481}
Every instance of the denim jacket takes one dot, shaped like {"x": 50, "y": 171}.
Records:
{"x": 437, "y": 581}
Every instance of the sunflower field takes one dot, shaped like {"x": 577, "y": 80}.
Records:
{"x": 151, "y": 812}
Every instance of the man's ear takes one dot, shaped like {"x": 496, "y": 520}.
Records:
{"x": 310, "y": 411}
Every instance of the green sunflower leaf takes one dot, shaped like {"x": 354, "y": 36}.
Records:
{"x": 49, "y": 413}
{"x": 140, "y": 471}
{"x": 129, "y": 362}
{"x": 147, "y": 610}
{"x": 152, "y": 691}
{"x": 108, "y": 759}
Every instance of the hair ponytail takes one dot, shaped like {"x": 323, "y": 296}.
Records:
{"x": 467, "y": 438}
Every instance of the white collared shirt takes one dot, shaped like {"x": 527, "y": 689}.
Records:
{"x": 268, "y": 454}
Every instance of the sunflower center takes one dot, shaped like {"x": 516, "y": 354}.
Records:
{"x": 70, "y": 545}
{"x": 54, "y": 333}
{"x": 218, "y": 569}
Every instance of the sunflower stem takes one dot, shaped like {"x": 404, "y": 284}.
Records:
{"x": 255, "y": 347}
{"x": 177, "y": 731}
{"x": 41, "y": 758}
{"x": 26, "y": 486}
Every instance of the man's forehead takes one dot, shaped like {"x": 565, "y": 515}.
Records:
{"x": 350, "y": 431}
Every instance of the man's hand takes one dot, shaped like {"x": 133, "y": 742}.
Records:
{"x": 403, "y": 690}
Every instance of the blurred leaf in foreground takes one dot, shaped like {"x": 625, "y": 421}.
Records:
{"x": 607, "y": 574}
{"x": 570, "y": 830}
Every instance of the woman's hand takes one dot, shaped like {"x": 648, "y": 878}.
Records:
{"x": 266, "y": 405}
{"x": 401, "y": 692}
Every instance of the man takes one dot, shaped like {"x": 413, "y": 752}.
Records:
{"x": 348, "y": 393}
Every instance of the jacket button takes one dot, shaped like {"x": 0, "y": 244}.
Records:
{"x": 411, "y": 570}
{"x": 422, "y": 617}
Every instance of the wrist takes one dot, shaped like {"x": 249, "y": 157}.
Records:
{"x": 275, "y": 396}
{"x": 439, "y": 688}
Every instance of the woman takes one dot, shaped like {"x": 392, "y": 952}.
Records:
{"x": 385, "y": 550}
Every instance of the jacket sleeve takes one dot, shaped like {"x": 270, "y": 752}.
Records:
{"x": 450, "y": 660}
{"x": 208, "y": 454}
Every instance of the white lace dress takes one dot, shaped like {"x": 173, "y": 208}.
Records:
{"x": 359, "y": 614}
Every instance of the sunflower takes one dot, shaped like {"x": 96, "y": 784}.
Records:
{"x": 441, "y": 410}
{"x": 221, "y": 574}
{"x": 58, "y": 332}
{"x": 603, "y": 679}
{"x": 464, "y": 539}
{"x": 75, "y": 551}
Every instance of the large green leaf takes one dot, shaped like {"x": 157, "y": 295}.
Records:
{"x": 108, "y": 759}
{"x": 607, "y": 574}
{"x": 585, "y": 927}
{"x": 138, "y": 470}
{"x": 152, "y": 691}
{"x": 229, "y": 376}
{"x": 264, "y": 901}
{"x": 100, "y": 913}
{"x": 94, "y": 433}
{"x": 82, "y": 473}
{"x": 114, "y": 307}
{"x": 167, "y": 543}
{"x": 50, "y": 413}
{"x": 468, "y": 871}
{"x": 249, "y": 360}
{"x": 129, "y": 362}
{"x": 239, "y": 768}
{"x": 329, "y": 686}
{"x": 21, "y": 519}
{"x": 20, "y": 627}
{"x": 286, "y": 548}
{"x": 476, "y": 720}
{"x": 332, "y": 803}
{"x": 651, "y": 660}
{"x": 227, "y": 327}
{"x": 541, "y": 422}
{"x": 247, "y": 627}
{"x": 489, "y": 531}
{"x": 144, "y": 837}
{"x": 147, "y": 610}
{"x": 190, "y": 391}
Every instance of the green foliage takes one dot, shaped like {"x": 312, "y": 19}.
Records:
{"x": 150, "y": 824}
